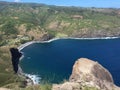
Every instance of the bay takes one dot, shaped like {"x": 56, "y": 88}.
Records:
{"x": 53, "y": 61}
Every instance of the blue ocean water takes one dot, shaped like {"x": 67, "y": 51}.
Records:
{"x": 53, "y": 61}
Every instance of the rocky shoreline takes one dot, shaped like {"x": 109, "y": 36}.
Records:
{"x": 50, "y": 40}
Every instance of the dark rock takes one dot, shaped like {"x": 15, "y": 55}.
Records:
{"x": 15, "y": 58}
{"x": 46, "y": 37}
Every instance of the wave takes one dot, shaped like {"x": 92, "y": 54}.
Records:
{"x": 32, "y": 79}
{"x": 35, "y": 78}
{"x": 94, "y": 38}
{"x": 25, "y": 45}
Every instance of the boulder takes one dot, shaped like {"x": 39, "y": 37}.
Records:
{"x": 88, "y": 73}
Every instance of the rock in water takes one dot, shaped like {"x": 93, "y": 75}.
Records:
{"x": 15, "y": 58}
{"x": 88, "y": 73}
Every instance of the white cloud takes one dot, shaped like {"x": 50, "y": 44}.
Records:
{"x": 17, "y": 0}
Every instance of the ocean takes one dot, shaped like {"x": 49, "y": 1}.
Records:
{"x": 52, "y": 61}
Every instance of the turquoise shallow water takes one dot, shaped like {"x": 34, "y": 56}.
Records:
{"x": 53, "y": 61}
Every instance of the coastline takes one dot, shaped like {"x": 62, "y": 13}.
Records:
{"x": 48, "y": 41}
{"x": 34, "y": 79}
{"x": 30, "y": 79}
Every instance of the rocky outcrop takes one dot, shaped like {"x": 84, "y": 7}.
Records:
{"x": 87, "y": 73}
{"x": 46, "y": 37}
{"x": 15, "y": 54}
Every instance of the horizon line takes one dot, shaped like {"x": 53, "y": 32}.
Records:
{"x": 60, "y": 5}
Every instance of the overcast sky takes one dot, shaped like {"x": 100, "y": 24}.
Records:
{"x": 81, "y": 3}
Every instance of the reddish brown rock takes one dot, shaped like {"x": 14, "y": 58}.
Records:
{"x": 88, "y": 70}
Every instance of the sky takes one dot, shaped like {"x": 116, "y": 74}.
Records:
{"x": 80, "y": 3}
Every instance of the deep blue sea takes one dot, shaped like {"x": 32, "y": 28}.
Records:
{"x": 53, "y": 61}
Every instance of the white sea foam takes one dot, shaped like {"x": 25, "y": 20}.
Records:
{"x": 31, "y": 42}
{"x": 97, "y": 38}
{"x": 24, "y": 45}
{"x": 35, "y": 78}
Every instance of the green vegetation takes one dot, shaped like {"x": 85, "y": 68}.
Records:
{"x": 35, "y": 87}
{"x": 20, "y": 23}
{"x": 7, "y": 75}
{"x": 9, "y": 28}
{"x": 19, "y": 20}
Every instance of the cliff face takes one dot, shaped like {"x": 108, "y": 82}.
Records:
{"x": 15, "y": 54}
{"x": 88, "y": 73}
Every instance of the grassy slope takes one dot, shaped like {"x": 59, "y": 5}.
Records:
{"x": 6, "y": 73}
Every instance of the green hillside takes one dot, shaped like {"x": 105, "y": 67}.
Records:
{"x": 21, "y": 22}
